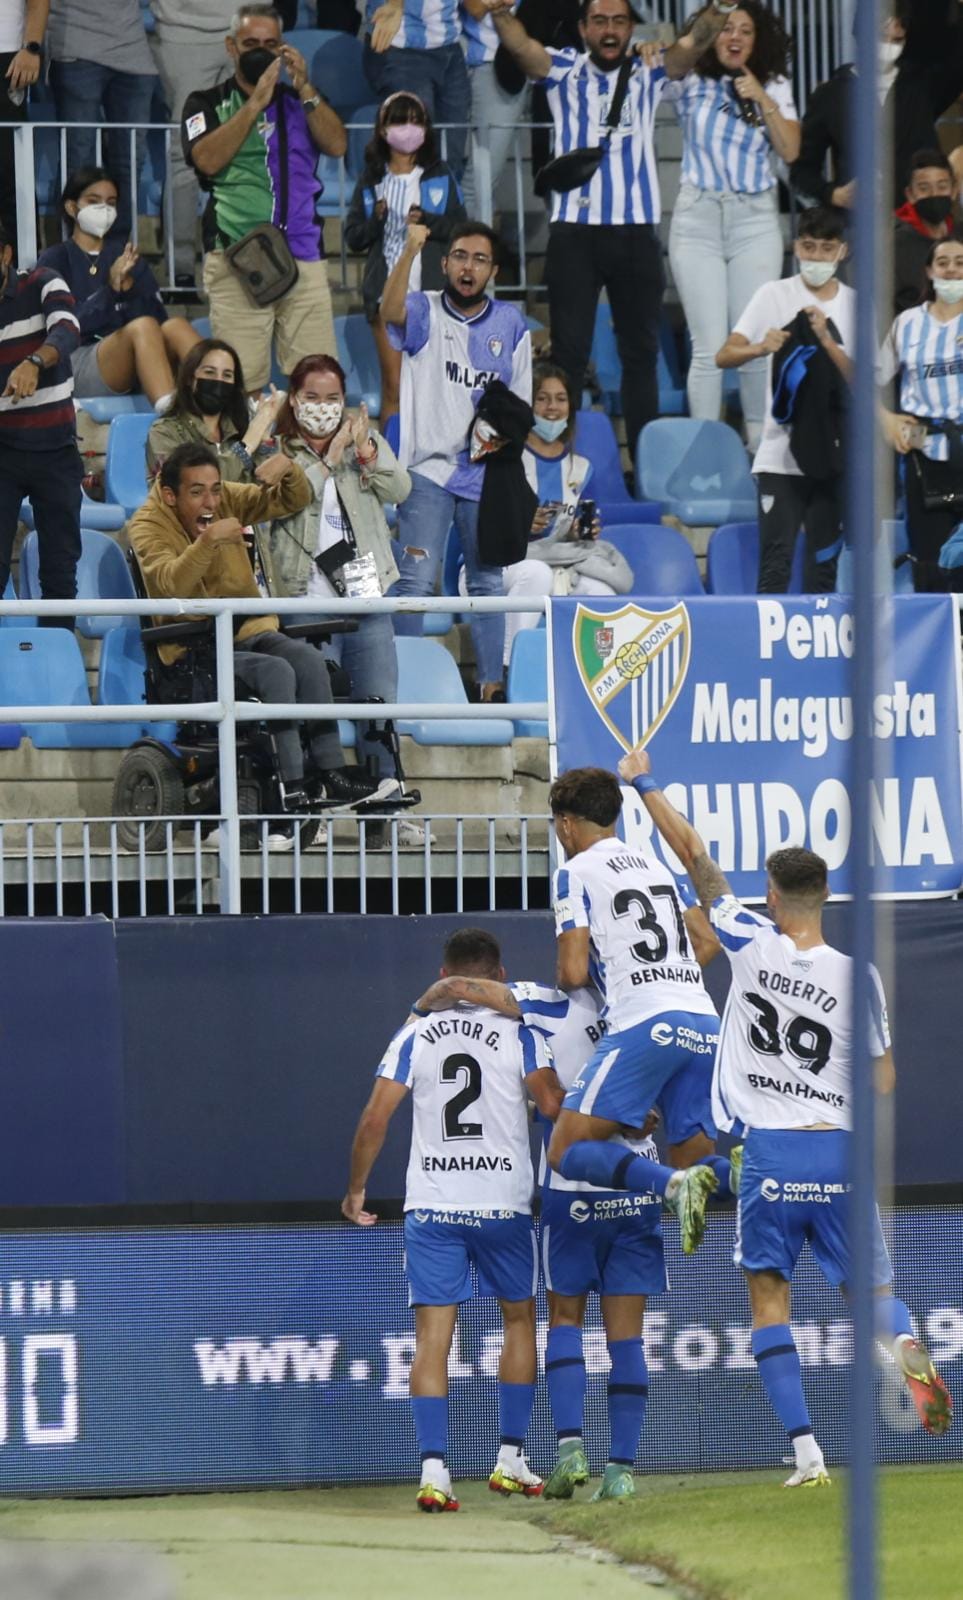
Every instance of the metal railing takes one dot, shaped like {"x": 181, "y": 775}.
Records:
{"x": 226, "y": 711}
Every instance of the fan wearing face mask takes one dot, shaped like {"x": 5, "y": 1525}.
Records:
{"x": 926, "y": 217}
{"x": 128, "y": 342}
{"x": 404, "y": 180}
{"x": 789, "y": 499}
{"x": 211, "y": 406}
{"x": 924, "y": 352}
{"x": 340, "y": 545}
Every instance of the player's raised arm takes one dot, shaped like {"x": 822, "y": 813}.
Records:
{"x": 469, "y": 991}
{"x": 708, "y": 880}
{"x": 386, "y": 1097}
{"x": 702, "y": 937}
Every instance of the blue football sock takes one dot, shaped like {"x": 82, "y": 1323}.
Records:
{"x": 611, "y": 1166}
{"x": 431, "y": 1424}
{"x": 778, "y": 1361}
{"x": 721, "y": 1168}
{"x": 892, "y": 1317}
{"x": 627, "y": 1395}
{"x": 565, "y": 1371}
{"x": 515, "y": 1401}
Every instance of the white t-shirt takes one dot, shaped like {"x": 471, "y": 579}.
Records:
{"x": 11, "y": 25}
{"x": 331, "y": 530}
{"x": 641, "y": 960}
{"x": 774, "y": 306}
{"x": 466, "y": 1069}
{"x": 785, "y": 1043}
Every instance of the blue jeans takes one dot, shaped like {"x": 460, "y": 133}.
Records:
{"x": 439, "y": 77}
{"x": 85, "y": 91}
{"x": 369, "y": 659}
{"x": 423, "y": 523}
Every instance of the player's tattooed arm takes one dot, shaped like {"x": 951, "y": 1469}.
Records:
{"x": 708, "y": 879}
{"x": 470, "y": 991}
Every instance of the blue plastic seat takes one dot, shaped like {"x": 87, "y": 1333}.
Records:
{"x": 528, "y": 678}
{"x": 44, "y": 667}
{"x": 105, "y": 407}
{"x": 391, "y": 432}
{"x": 673, "y": 396}
{"x": 893, "y": 543}
{"x": 427, "y": 674}
{"x": 358, "y": 354}
{"x": 363, "y": 119}
{"x": 699, "y": 470}
{"x": 121, "y": 677}
{"x": 336, "y": 67}
{"x": 732, "y": 560}
{"x": 102, "y": 574}
{"x": 10, "y": 593}
{"x": 93, "y": 514}
{"x": 595, "y": 438}
{"x": 125, "y": 465}
{"x": 202, "y": 326}
{"x": 661, "y": 559}
{"x": 673, "y": 401}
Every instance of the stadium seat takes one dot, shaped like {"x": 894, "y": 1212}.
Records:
{"x": 121, "y": 676}
{"x": 732, "y": 560}
{"x": 105, "y": 407}
{"x": 10, "y": 593}
{"x": 528, "y": 678}
{"x": 673, "y": 396}
{"x": 661, "y": 559}
{"x": 202, "y": 326}
{"x": 97, "y": 514}
{"x": 44, "y": 667}
{"x": 336, "y": 68}
{"x": 334, "y": 197}
{"x": 893, "y": 545}
{"x": 427, "y": 674}
{"x": 102, "y": 574}
{"x": 358, "y": 354}
{"x": 595, "y": 438}
{"x": 698, "y": 469}
{"x": 392, "y": 432}
{"x": 125, "y": 466}
{"x": 362, "y": 120}
{"x": 673, "y": 401}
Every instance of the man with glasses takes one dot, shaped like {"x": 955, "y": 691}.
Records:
{"x": 453, "y": 341}
{"x": 604, "y": 234}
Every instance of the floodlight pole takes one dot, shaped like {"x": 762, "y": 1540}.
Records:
{"x": 862, "y": 524}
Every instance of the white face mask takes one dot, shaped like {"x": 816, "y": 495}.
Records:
{"x": 817, "y": 273}
{"x": 97, "y": 220}
{"x": 890, "y": 51}
{"x": 949, "y": 290}
{"x": 319, "y": 417}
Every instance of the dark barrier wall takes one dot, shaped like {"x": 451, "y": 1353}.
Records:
{"x": 217, "y": 1060}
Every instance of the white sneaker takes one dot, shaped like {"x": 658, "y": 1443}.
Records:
{"x": 277, "y": 842}
{"x": 814, "y": 1476}
{"x": 514, "y": 1476}
{"x": 411, "y": 831}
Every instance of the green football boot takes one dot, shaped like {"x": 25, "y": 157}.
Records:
{"x": 570, "y": 1471}
{"x": 735, "y": 1168}
{"x": 689, "y": 1202}
{"x": 617, "y": 1483}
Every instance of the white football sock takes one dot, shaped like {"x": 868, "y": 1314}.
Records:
{"x": 807, "y": 1452}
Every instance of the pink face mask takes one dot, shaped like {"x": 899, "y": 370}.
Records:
{"x": 405, "y": 136}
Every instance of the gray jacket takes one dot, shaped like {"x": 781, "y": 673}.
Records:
{"x": 289, "y": 545}
{"x": 589, "y": 558}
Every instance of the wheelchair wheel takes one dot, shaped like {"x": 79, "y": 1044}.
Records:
{"x": 147, "y": 784}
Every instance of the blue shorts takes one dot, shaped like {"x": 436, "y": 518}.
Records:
{"x": 611, "y": 1243}
{"x": 665, "y": 1061}
{"x": 441, "y": 1247}
{"x": 794, "y": 1187}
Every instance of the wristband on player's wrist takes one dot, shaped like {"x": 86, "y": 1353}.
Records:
{"x": 644, "y": 783}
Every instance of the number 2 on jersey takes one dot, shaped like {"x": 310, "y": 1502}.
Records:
{"x": 451, "y": 1070}
{"x": 635, "y": 901}
{"x": 810, "y": 1042}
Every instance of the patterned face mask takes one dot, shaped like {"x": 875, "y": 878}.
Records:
{"x": 319, "y": 417}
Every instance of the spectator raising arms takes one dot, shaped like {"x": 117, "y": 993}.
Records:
{"x": 736, "y": 109}
{"x": 339, "y": 544}
{"x": 211, "y": 406}
{"x": 128, "y": 341}
{"x": 416, "y": 45}
{"x": 403, "y": 181}
{"x": 924, "y": 350}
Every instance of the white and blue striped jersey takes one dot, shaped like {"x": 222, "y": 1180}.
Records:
{"x": 928, "y": 356}
{"x": 640, "y": 958}
{"x": 425, "y": 24}
{"x": 574, "y": 1025}
{"x": 480, "y": 37}
{"x": 400, "y": 191}
{"x": 721, "y": 151}
{"x": 785, "y": 1042}
{"x": 626, "y": 187}
{"x": 466, "y": 1070}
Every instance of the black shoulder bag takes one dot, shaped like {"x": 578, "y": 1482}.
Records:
{"x": 578, "y": 167}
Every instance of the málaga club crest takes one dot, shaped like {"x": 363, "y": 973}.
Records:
{"x": 633, "y": 664}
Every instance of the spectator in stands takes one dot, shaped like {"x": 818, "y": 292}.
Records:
{"x": 453, "y": 343}
{"x": 566, "y": 555}
{"x": 403, "y": 181}
{"x": 605, "y": 233}
{"x": 920, "y": 74}
{"x": 191, "y": 539}
{"x": 102, "y": 71}
{"x": 416, "y": 45}
{"x": 211, "y": 406}
{"x": 254, "y": 142}
{"x": 339, "y": 544}
{"x": 495, "y": 110}
{"x": 926, "y": 217}
{"x": 924, "y": 351}
{"x": 22, "y": 25}
{"x": 725, "y": 242}
{"x": 38, "y": 445}
{"x": 811, "y": 308}
{"x": 127, "y": 340}
{"x": 189, "y": 51}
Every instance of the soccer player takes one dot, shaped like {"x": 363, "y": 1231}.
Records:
{"x": 620, "y": 924}
{"x": 783, "y": 1070}
{"x": 468, "y": 1201}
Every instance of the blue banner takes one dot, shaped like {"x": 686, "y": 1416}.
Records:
{"x": 199, "y": 1358}
{"x": 745, "y": 706}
